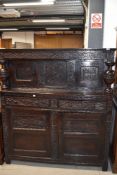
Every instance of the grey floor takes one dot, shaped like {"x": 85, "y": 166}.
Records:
{"x": 26, "y": 168}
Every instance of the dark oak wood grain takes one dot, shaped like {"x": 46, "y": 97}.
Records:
{"x": 57, "y": 104}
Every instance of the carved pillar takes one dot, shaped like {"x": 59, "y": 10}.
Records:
{"x": 3, "y": 74}
{"x": 109, "y": 74}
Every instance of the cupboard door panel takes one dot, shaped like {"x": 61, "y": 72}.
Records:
{"x": 31, "y": 144}
{"x": 30, "y": 132}
{"x": 23, "y": 74}
{"x": 81, "y": 137}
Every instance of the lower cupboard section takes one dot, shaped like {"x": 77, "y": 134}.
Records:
{"x": 60, "y": 137}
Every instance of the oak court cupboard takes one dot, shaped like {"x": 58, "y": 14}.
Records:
{"x": 56, "y": 105}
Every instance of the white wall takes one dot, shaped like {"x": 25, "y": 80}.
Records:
{"x": 109, "y": 38}
{"x": 27, "y": 37}
{"x": 86, "y": 31}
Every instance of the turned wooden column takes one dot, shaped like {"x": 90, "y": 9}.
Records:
{"x": 4, "y": 85}
{"x": 109, "y": 77}
{"x": 3, "y": 75}
{"x": 109, "y": 74}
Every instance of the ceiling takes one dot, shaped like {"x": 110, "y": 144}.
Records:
{"x": 72, "y": 11}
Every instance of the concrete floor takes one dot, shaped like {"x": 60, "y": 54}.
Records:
{"x": 25, "y": 168}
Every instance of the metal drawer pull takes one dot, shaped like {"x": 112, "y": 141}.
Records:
{"x": 34, "y": 95}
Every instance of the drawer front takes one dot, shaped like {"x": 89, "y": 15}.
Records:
{"x": 82, "y": 105}
{"x": 55, "y": 103}
{"x": 28, "y": 101}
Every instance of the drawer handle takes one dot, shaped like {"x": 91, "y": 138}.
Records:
{"x": 34, "y": 95}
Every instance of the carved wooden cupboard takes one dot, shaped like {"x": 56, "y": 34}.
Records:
{"x": 56, "y": 105}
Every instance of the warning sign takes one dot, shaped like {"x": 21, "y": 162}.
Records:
{"x": 96, "y": 20}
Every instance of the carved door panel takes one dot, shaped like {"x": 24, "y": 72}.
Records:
{"x": 81, "y": 138}
{"x": 29, "y": 133}
{"x": 23, "y": 74}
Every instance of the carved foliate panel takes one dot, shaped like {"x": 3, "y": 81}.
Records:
{"x": 29, "y": 119}
{"x": 38, "y": 102}
{"x": 90, "y": 73}
{"x": 56, "y": 73}
{"x": 82, "y": 105}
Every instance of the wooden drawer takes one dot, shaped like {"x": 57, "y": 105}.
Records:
{"x": 58, "y": 103}
{"x": 85, "y": 105}
{"x": 32, "y": 100}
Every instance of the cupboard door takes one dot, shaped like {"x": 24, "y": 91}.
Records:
{"x": 29, "y": 133}
{"x": 23, "y": 74}
{"x": 81, "y": 138}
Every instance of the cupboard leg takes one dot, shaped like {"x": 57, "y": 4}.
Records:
{"x": 105, "y": 166}
{"x": 1, "y": 162}
{"x": 7, "y": 160}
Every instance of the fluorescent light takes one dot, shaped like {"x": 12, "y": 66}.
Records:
{"x": 9, "y": 29}
{"x": 48, "y": 20}
{"x": 47, "y": 0}
{"x": 63, "y": 28}
{"x": 43, "y": 2}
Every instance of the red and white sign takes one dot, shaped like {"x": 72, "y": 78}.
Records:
{"x": 96, "y": 21}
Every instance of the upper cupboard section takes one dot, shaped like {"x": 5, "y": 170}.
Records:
{"x": 57, "y": 68}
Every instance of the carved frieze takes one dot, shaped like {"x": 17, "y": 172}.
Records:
{"x": 27, "y": 101}
{"x": 82, "y": 105}
{"x": 30, "y": 120}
